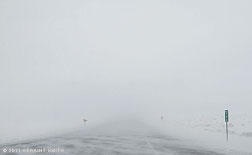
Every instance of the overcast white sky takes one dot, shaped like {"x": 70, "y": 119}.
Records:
{"x": 61, "y": 61}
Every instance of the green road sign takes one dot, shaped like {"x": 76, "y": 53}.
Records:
{"x": 226, "y": 115}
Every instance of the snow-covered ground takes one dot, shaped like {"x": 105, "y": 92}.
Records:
{"x": 125, "y": 137}
{"x": 239, "y": 126}
{"x": 9, "y": 135}
{"x": 208, "y": 130}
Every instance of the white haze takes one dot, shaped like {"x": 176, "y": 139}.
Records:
{"x": 62, "y": 61}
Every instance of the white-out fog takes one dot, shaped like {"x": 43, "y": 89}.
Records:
{"x": 62, "y": 61}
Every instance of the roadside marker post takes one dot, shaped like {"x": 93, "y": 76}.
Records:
{"x": 85, "y": 121}
{"x": 226, "y": 120}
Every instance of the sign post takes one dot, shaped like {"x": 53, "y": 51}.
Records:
{"x": 85, "y": 121}
{"x": 226, "y": 120}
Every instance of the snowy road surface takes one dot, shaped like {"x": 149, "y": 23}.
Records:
{"x": 113, "y": 139}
